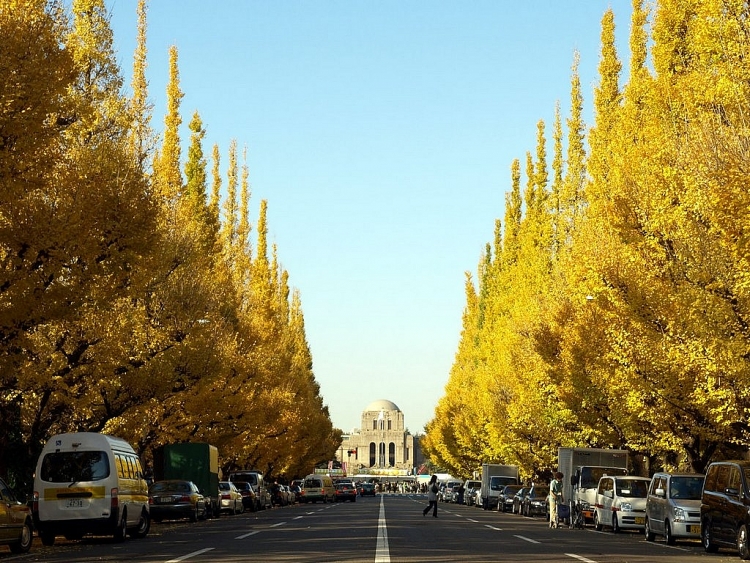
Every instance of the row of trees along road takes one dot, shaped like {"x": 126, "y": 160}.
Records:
{"x": 613, "y": 309}
{"x": 132, "y": 300}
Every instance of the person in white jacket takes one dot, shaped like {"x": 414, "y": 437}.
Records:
{"x": 432, "y": 489}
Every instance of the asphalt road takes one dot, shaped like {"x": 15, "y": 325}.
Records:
{"x": 386, "y": 529}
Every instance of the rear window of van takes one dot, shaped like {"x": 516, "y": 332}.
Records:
{"x": 71, "y": 467}
{"x": 313, "y": 484}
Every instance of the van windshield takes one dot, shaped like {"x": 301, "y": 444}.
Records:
{"x": 632, "y": 488}
{"x": 313, "y": 484}
{"x": 590, "y": 475}
{"x": 71, "y": 467}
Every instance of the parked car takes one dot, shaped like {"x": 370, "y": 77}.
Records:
{"x": 16, "y": 528}
{"x": 345, "y": 491}
{"x": 367, "y": 489}
{"x": 231, "y": 499}
{"x": 470, "y": 486}
{"x": 518, "y": 499}
{"x": 535, "y": 501}
{"x": 296, "y": 490}
{"x": 446, "y": 491}
{"x": 280, "y": 495}
{"x": 176, "y": 499}
{"x": 621, "y": 502}
{"x": 725, "y": 507}
{"x": 453, "y": 494}
{"x": 505, "y": 499}
{"x": 673, "y": 506}
{"x": 250, "y": 498}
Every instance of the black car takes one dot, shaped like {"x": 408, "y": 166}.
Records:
{"x": 250, "y": 498}
{"x": 367, "y": 489}
{"x": 535, "y": 502}
{"x": 175, "y": 499}
{"x": 725, "y": 507}
{"x": 16, "y": 529}
{"x": 505, "y": 499}
{"x": 345, "y": 491}
{"x": 518, "y": 500}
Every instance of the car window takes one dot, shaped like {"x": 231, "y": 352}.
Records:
{"x": 656, "y": 483}
{"x": 734, "y": 479}
{"x": 722, "y": 478}
{"x": 632, "y": 488}
{"x": 686, "y": 487}
{"x": 6, "y": 493}
{"x": 70, "y": 467}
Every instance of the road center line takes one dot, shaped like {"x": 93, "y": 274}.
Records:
{"x": 298, "y": 517}
{"x": 277, "y": 524}
{"x": 524, "y": 538}
{"x": 382, "y": 553}
{"x": 470, "y": 520}
{"x": 493, "y": 528}
{"x": 189, "y": 555}
{"x": 574, "y": 556}
{"x": 243, "y": 536}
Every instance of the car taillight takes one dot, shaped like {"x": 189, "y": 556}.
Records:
{"x": 35, "y": 503}
{"x": 185, "y": 498}
{"x": 115, "y": 501}
{"x": 225, "y": 496}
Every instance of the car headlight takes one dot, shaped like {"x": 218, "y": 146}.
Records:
{"x": 626, "y": 506}
{"x": 679, "y": 515}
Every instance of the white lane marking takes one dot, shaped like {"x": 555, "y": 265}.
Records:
{"x": 493, "y": 528}
{"x": 277, "y": 524}
{"x": 189, "y": 555}
{"x": 524, "y": 538}
{"x": 382, "y": 553}
{"x": 243, "y": 536}
{"x": 298, "y": 517}
{"x": 574, "y": 556}
{"x": 470, "y": 520}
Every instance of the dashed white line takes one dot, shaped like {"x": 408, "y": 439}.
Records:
{"x": 524, "y": 538}
{"x": 189, "y": 555}
{"x": 243, "y": 536}
{"x": 277, "y": 524}
{"x": 574, "y": 556}
{"x": 493, "y": 528}
{"x": 470, "y": 520}
{"x": 298, "y": 517}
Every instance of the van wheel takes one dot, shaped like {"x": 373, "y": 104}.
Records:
{"x": 615, "y": 525}
{"x": 144, "y": 525}
{"x": 122, "y": 528}
{"x": 647, "y": 531}
{"x": 742, "y": 543}
{"x": 597, "y": 524}
{"x": 24, "y": 544}
{"x": 47, "y": 537}
{"x": 708, "y": 544}
{"x": 668, "y": 537}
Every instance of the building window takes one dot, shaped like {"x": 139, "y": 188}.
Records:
{"x": 392, "y": 454}
{"x": 372, "y": 454}
{"x": 381, "y": 461}
{"x": 389, "y": 424}
{"x": 374, "y": 424}
{"x": 406, "y": 454}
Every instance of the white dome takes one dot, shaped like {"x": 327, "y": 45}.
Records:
{"x": 382, "y": 405}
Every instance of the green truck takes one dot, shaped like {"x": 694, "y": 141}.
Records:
{"x": 193, "y": 461}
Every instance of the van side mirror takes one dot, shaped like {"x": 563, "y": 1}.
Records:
{"x": 660, "y": 493}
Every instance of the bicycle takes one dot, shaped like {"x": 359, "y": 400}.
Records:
{"x": 576, "y": 515}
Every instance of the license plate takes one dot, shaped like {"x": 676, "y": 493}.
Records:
{"x": 73, "y": 503}
{"x": 640, "y": 520}
{"x": 695, "y": 529}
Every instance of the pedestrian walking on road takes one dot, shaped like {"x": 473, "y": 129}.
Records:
{"x": 432, "y": 490}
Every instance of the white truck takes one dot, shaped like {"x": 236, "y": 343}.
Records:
{"x": 582, "y": 468}
{"x": 494, "y": 478}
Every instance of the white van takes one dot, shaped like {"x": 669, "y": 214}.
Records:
{"x": 317, "y": 487}
{"x": 89, "y": 483}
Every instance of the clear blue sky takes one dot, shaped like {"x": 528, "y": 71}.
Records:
{"x": 382, "y": 134}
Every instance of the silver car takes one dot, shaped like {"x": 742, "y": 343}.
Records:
{"x": 673, "y": 507}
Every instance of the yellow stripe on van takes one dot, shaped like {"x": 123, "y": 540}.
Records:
{"x": 73, "y": 492}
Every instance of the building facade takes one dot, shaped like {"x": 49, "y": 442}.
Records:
{"x": 382, "y": 445}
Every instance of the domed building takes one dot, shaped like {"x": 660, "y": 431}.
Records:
{"x": 382, "y": 445}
